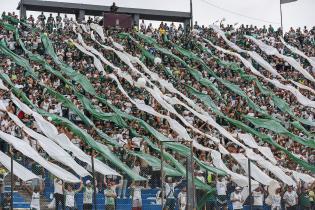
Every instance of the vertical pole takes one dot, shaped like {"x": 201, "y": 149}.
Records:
{"x": 22, "y": 10}
{"x": 81, "y": 15}
{"x": 191, "y": 15}
{"x": 162, "y": 175}
{"x": 94, "y": 186}
{"x": 281, "y": 19}
{"x": 192, "y": 175}
{"x": 190, "y": 181}
{"x": 187, "y": 184}
{"x": 12, "y": 177}
{"x": 249, "y": 185}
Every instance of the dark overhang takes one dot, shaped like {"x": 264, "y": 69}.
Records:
{"x": 97, "y": 10}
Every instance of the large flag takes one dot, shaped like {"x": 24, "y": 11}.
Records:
{"x": 286, "y": 1}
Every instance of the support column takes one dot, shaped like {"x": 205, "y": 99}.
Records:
{"x": 81, "y": 16}
{"x": 136, "y": 19}
{"x": 22, "y": 10}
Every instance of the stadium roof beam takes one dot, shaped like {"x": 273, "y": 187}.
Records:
{"x": 97, "y": 10}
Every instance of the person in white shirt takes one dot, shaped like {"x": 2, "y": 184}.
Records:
{"x": 169, "y": 193}
{"x": 200, "y": 175}
{"x": 69, "y": 194}
{"x": 58, "y": 193}
{"x": 237, "y": 199}
{"x": 136, "y": 168}
{"x": 182, "y": 199}
{"x": 221, "y": 187}
{"x": 159, "y": 197}
{"x": 258, "y": 199}
{"x": 290, "y": 198}
{"x": 276, "y": 200}
{"x": 35, "y": 200}
{"x": 88, "y": 192}
{"x": 66, "y": 21}
{"x": 143, "y": 26}
{"x": 136, "y": 195}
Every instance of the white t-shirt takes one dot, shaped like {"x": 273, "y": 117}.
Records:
{"x": 88, "y": 195}
{"x": 258, "y": 198}
{"x": 201, "y": 178}
{"x": 137, "y": 193}
{"x": 136, "y": 169}
{"x": 69, "y": 198}
{"x": 275, "y": 201}
{"x": 290, "y": 198}
{"x": 142, "y": 25}
{"x": 182, "y": 198}
{"x": 35, "y": 202}
{"x": 58, "y": 187}
{"x": 237, "y": 204}
{"x": 45, "y": 106}
{"x": 11, "y": 45}
{"x": 221, "y": 187}
{"x": 169, "y": 190}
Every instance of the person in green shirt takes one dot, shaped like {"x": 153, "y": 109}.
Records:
{"x": 305, "y": 201}
{"x": 110, "y": 196}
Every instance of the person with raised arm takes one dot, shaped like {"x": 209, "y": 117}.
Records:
{"x": 69, "y": 195}
{"x": 35, "y": 192}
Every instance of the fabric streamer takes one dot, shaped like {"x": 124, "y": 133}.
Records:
{"x": 18, "y": 170}
{"x": 51, "y": 148}
{"x": 238, "y": 124}
{"x": 269, "y": 50}
{"x": 298, "y": 52}
{"x": 29, "y": 152}
{"x": 256, "y": 173}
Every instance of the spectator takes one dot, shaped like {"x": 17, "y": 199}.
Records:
{"x": 276, "y": 200}
{"x": 258, "y": 198}
{"x": 182, "y": 199}
{"x": 69, "y": 195}
{"x": 221, "y": 187}
{"x": 50, "y": 23}
{"x": 110, "y": 196}
{"x": 41, "y": 20}
{"x": 35, "y": 192}
{"x": 58, "y": 193}
{"x": 3, "y": 173}
{"x": 290, "y": 198}
{"x": 237, "y": 199}
{"x": 170, "y": 194}
{"x": 158, "y": 198}
{"x": 136, "y": 195}
{"x": 88, "y": 192}
{"x": 304, "y": 200}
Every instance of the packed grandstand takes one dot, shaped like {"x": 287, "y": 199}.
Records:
{"x": 69, "y": 91}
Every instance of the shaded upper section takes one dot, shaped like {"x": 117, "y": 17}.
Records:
{"x": 97, "y": 10}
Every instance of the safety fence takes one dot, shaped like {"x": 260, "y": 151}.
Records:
{"x": 170, "y": 189}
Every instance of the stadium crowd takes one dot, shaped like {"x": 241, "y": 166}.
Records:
{"x": 60, "y": 31}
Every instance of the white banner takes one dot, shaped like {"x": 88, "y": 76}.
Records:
{"x": 29, "y": 152}
{"x": 18, "y": 170}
